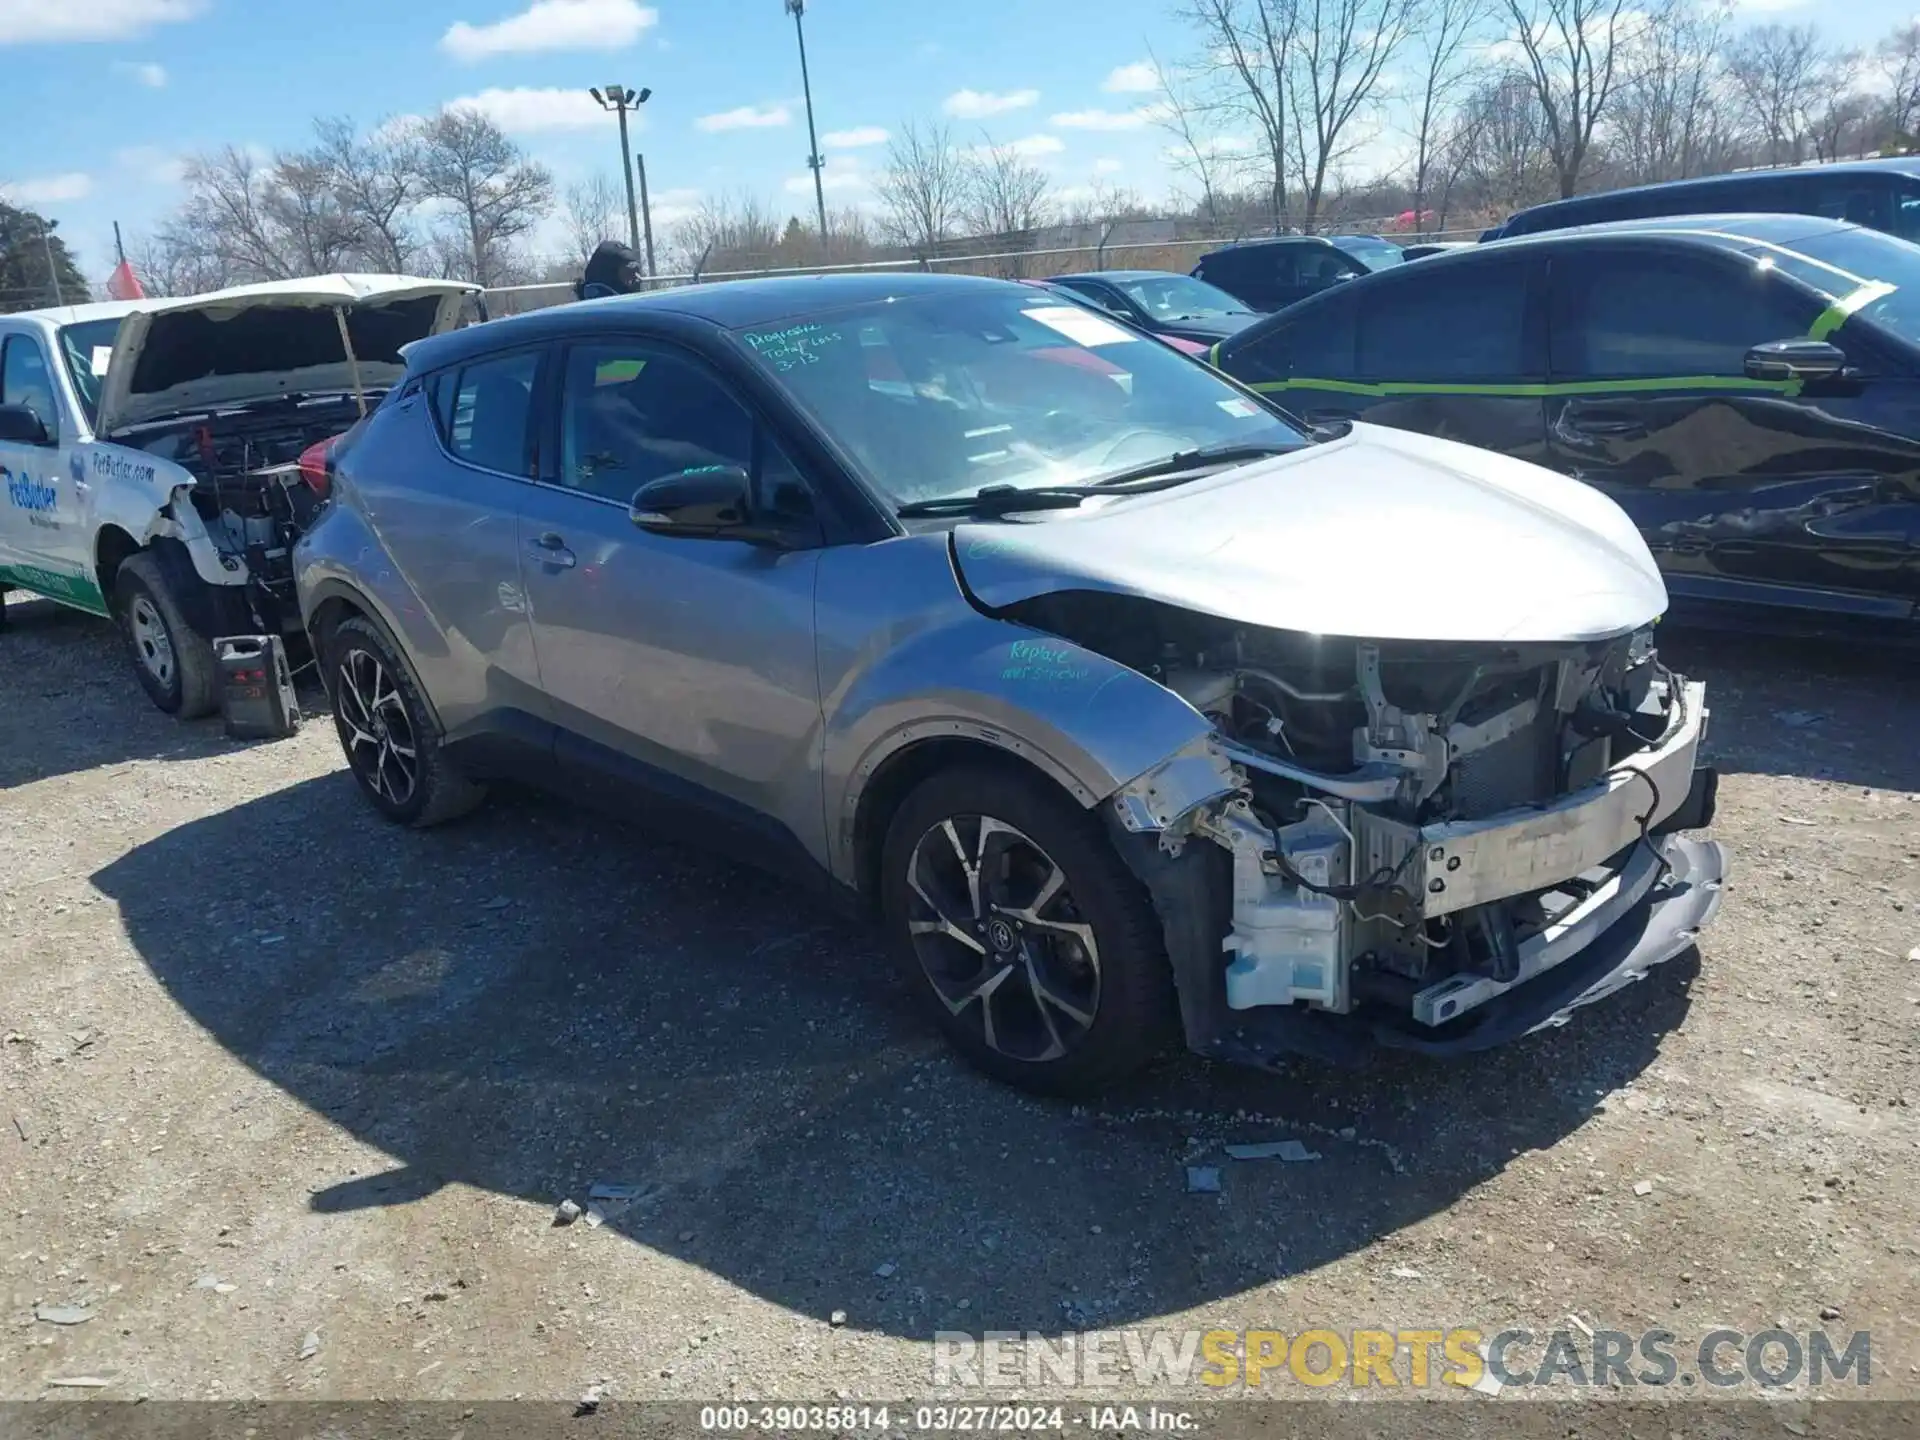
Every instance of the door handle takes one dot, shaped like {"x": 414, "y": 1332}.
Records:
{"x": 551, "y": 549}
{"x": 1607, "y": 426}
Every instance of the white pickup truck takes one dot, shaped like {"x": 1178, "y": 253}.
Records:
{"x": 159, "y": 458}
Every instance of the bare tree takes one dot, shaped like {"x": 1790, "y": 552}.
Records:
{"x": 1341, "y": 47}
{"x": 497, "y": 194}
{"x": 313, "y": 230}
{"x": 1776, "y": 70}
{"x": 1444, "y": 27}
{"x": 726, "y": 233}
{"x": 1572, "y": 51}
{"x": 1196, "y": 152}
{"x": 1671, "y": 121}
{"x": 1006, "y": 194}
{"x": 228, "y": 208}
{"x": 377, "y": 182}
{"x": 923, "y": 188}
{"x": 172, "y": 262}
{"x": 1899, "y": 58}
{"x": 594, "y": 213}
{"x": 1503, "y": 150}
{"x": 1250, "y": 44}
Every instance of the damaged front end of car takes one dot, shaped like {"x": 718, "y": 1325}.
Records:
{"x": 1432, "y": 846}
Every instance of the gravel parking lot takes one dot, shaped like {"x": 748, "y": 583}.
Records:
{"x": 290, "y": 1096}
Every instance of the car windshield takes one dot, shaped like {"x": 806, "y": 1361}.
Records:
{"x": 1374, "y": 254}
{"x": 946, "y": 394}
{"x": 86, "y": 347}
{"x": 1180, "y": 297}
{"x": 1842, "y": 263}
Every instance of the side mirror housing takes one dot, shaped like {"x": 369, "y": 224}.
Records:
{"x": 20, "y": 426}
{"x": 1795, "y": 360}
{"x": 710, "y": 502}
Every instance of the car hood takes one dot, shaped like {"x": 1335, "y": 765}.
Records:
{"x": 1379, "y": 535}
{"x": 255, "y": 342}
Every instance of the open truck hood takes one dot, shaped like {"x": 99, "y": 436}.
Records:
{"x": 1382, "y": 535}
{"x": 254, "y": 342}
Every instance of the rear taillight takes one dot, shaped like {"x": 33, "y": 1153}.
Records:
{"x": 316, "y": 467}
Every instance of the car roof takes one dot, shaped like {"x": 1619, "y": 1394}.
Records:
{"x": 1124, "y": 275}
{"x": 1896, "y": 164}
{"x": 1729, "y": 231}
{"x": 1263, "y": 241}
{"x": 79, "y": 314}
{"x": 728, "y": 304}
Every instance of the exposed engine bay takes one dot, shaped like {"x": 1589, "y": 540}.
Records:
{"x": 251, "y": 496}
{"x": 1415, "y": 828}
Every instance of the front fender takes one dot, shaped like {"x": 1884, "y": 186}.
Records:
{"x": 1086, "y": 721}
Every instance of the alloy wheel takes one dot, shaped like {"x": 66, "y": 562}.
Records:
{"x": 995, "y": 928}
{"x": 381, "y": 745}
{"x": 150, "y": 639}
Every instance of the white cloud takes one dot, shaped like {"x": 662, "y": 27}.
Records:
{"x": 1132, "y": 119}
{"x": 1028, "y": 147}
{"x": 48, "y": 189}
{"x": 978, "y": 104}
{"x": 670, "y": 207}
{"x": 24, "y": 21}
{"x": 746, "y": 117}
{"x": 1107, "y": 165}
{"x": 840, "y": 176}
{"x": 151, "y": 163}
{"x": 1769, "y": 5}
{"x": 855, "y": 139}
{"x": 551, "y": 25}
{"x": 154, "y": 77}
{"x": 1139, "y": 78}
{"x": 524, "y": 110}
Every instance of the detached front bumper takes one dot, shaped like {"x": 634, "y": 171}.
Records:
{"x": 1653, "y": 930}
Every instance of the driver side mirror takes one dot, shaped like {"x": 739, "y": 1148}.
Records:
{"x": 1795, "y": 360}
{"x": 21, "y": 426}
{"x": 708, "y": 502}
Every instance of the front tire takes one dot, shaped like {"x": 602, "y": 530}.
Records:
{"x": 172, "y": 660}
{"x": 387, "y": 732}
{"x": 1033, "y": 946}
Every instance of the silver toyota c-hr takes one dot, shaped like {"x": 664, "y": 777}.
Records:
{"x": 1129, "y": 706}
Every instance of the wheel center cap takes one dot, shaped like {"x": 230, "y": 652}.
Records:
{"x": 380, "y": 727}
{"x": 1000, "y": 935}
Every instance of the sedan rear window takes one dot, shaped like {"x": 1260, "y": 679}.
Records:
{"x": 942, "y": 395}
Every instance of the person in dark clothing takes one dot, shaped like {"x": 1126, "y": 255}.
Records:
{"x": 613, "y": 269}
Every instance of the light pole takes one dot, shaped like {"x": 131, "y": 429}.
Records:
{"x": 815, "y": 160}
{"x": 619, "y": 99}
{"x": 646, "y": 212}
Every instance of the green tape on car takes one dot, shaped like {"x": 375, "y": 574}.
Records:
{"x": 1835, "y": 315}
{"x": 1389, "y": 388}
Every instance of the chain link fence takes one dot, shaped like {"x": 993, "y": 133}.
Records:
{"x": 1004, "y": 256}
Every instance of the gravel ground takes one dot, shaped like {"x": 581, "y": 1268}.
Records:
{"x": 288, "y": 1096}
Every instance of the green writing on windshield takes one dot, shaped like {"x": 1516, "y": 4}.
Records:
{"x": 793, "y": 345}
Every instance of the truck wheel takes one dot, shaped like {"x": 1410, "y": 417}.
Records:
{"x": 1034, "y": 947}
{"x": 388, "y": 734}
{"x": 173, "y": 661}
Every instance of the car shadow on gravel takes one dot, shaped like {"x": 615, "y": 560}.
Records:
{"x": 535, "y": 1000}
{"x": 69, "y": 701}
{"x": 1821, "y": 711}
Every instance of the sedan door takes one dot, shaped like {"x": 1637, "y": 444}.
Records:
{"x": 681, "y": 667}
{"x": 1776, "y": 500}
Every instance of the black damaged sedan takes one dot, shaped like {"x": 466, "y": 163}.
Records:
{"x": 1746, "y": 387}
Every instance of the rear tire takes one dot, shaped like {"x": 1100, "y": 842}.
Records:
{"x": 172, "y": 661}
{"x": 1032, "y": 945}
{"x": 387, "y": 732}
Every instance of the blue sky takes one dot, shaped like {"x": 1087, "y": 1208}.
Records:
{"x": 103, "y": 97}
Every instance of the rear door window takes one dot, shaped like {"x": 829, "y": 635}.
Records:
{"x": 1460, "y": 323}
{"x": 484, "y": 410}
{"x": 1664, "y": 310}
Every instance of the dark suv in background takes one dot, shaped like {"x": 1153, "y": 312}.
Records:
{"x": 1879, "y": 194}
{"x": 1272, "y": 274}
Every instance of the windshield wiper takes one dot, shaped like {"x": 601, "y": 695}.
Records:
{"x": 1181, "y": 460}
{"x": 1000, "y": 500}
